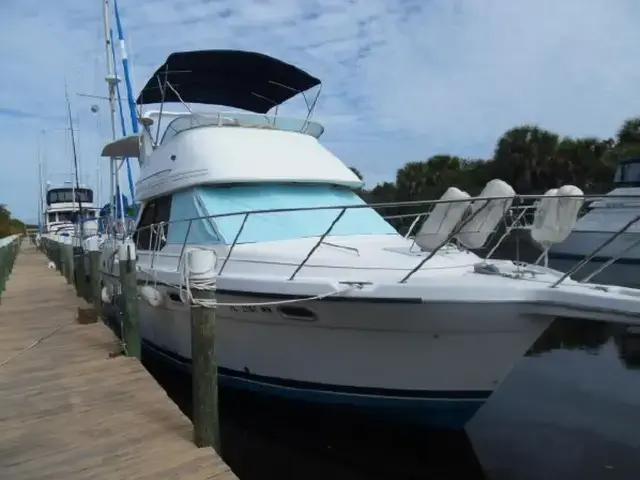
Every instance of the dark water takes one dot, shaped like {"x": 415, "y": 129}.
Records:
{"x": 571, "y": 409}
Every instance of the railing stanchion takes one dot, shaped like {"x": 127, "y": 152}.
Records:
{"x": 235, "y": 241}
{"x": 315, "y": 247}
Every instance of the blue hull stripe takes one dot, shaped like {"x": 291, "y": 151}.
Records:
{"x": 430, "y": 409}
{"x": 420, "y": 395}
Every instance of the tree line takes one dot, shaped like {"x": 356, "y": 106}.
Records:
{"x": 8, "y": 224}
{"x": 528, "y": 157}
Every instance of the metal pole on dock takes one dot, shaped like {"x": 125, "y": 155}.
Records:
{"x": 130, "y": 315}
{"x": 206, "y": 428}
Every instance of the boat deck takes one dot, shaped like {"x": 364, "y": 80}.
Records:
{"x": 69, "y": 408}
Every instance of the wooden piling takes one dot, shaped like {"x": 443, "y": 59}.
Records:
{"x": 130, "y": 315}
{"x": 80, "y": 276}
{"x": 206, "y": 428}
{"x": 56, "y": 249}
{"x": 67, "y": 262}
{"x": 4, "y": 271}
{"x": 8, "y": 254}
{"x": 96, "y": 288}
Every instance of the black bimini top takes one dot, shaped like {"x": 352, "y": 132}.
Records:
{"x": 233, "y": 78}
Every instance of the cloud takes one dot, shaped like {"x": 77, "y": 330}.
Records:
{"x": 402, "y": 79}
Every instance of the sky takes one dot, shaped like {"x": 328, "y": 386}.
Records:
{"x": 402, "y": 79}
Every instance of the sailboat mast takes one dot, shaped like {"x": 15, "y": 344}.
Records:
{"x": 111, "y": 83}
{"x": 76, "y": 189}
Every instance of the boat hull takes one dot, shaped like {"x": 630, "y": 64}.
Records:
{"x": 442, "y": 410}
{"x": 430, "y": 364}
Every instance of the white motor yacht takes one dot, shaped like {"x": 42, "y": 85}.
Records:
{"x": 319, "y": 298}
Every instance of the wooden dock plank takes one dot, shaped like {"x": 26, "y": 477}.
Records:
{"x": 68, "y": 410}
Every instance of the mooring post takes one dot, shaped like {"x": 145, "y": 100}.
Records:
{"x": 8, "y": 254}
{"x": 49, "y": 251}
{"x": 67, "y": 254}
{"x": 53, "y": 253}
{"x": 63, "y": 261}
{"x": 56, "y": 248}
{"x": 129, "y": 283}
{"x": 201, "y": 266}
{"x": 14, "y": 246}
{"x": 80, "y": 276}
{"x": 96, "y": 278}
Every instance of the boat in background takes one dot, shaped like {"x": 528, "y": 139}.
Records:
{"x": 319, "y": 298}
{"x": 608, "y": 234}
{"x": 62, "y": 212}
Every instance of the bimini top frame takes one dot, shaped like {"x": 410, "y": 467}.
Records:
{"x": 233, "y": 78}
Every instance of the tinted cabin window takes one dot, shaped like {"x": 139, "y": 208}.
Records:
{"x": 163, "y": 214}
{"x": 142, "y": 236}
{"x": 148, "y": 237}
{"x": 628, "y": 174}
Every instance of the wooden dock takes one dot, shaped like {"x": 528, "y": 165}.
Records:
{"x": 68, "y": 408}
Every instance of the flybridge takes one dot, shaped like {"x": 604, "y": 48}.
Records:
{"x": 245, "y": 80}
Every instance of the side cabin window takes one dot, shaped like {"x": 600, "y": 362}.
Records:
{"x": 189, "y": 220}
{"x": 149, "y": 235}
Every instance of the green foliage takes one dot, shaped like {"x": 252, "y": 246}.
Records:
{"x": 8, "y": 224}
{"x": 528, "y": 157}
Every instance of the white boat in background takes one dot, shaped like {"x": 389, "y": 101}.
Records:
{"x": 66, "y": 207}
{"x": 320, "y": 299}
{"x": 608, "y": 234}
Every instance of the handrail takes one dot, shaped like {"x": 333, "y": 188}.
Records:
{"x": 320, "y": 240}
{"x": 239, "y": 119}
{"x": 519, "y": 202}
{"x": 513, "y": 218}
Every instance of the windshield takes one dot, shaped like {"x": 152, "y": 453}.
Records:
{"x": 266, "y": 227}
{"x": 63, "y": 195}
{"x": 628, "y": 174}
